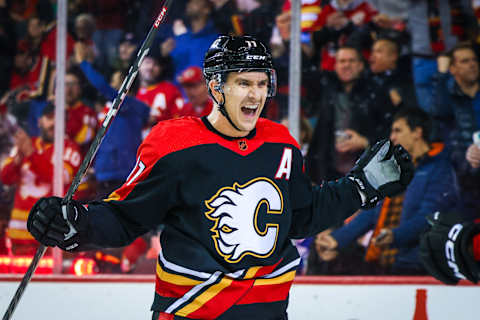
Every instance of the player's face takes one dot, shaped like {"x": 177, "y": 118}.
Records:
{"x": 245, "y": 95}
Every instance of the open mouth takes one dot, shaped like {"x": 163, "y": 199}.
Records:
{"x": 249, "y": 110}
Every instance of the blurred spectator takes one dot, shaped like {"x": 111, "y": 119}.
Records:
{"x": 198, "y": 103}
{"x": 350, "y": 112}
{"x": 48, "y": 47}
{"x": 116, "y": 155}
{"x": 30, "y": 168}
{"x": 348, "y": 261}
{"x": 163, "y": 97}
{"x": 435, "y": 27}
{"x": 126, "y": 52}
{"x": 310, "y": 15}
{"x": 7, "y": 130}
{"x": 30, "y": 73}
{"x": 258, "y": 22}
{"x": 399, "y": 221}
{"x": 384, "y": 66}
{"x": 34, "y": 36}
{"x": 110, "y": 20}
{"x": 84, "y": 30}
{"x": 8, "y": 40}
{"x": 457, "y": 103}
{"x": 81, "y": 120}
{"x": 306, "y": 133}
{"x": 395, "y": 9}
{"x": 336, "y": 22}
{"x": 187, "y": 49}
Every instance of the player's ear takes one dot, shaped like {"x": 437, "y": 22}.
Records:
{"x": 216, "y": 90}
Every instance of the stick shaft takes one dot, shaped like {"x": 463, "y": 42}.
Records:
{"x": 117, "y": 102}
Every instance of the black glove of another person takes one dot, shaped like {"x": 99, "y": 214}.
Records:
{"x": 382, "y": 171}
{"x": 54, "y": 224}
{"x": 445, "y": 250}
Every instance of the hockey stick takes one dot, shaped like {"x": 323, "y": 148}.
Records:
{"x": 117, "y": 102}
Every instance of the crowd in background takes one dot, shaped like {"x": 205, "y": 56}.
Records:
{"x": 405, "y": 70}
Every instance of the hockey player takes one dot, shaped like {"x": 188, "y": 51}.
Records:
{"x": 230, "y": 190}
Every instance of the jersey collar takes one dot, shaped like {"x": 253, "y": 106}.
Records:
{"x": 211, "y": 128}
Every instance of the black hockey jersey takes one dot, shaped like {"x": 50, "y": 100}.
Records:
{"x": 230, "y": 207}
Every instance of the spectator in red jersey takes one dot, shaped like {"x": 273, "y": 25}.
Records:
{"x": 193, "y": 83}
{"x": 80, "y": 126}
{"x": 30, "y": 168}
{"x": 81, "y": 121}
{"x": 163, "y": 97}
{"x": 336, "y": 23}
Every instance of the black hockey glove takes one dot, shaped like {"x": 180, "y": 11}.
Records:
{"x": 382, "y": 171}
{"x": 445, "y": 248}
{"x": 53, "y": 224}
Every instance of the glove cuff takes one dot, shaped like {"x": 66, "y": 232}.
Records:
{"x": 369, "y": 196}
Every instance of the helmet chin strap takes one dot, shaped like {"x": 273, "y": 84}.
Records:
{"x": 221, "y": 107}
{"x": 223, "y": 110}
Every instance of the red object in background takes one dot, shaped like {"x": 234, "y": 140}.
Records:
{"x": 83, "y": 267}
{"x": 20, "y": 264}
{"x": 421, "y": 305}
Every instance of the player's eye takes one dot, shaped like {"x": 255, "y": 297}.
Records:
{"x": 226, "y": 229}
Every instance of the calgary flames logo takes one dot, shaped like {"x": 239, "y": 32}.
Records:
{"x": 235, "y": 211}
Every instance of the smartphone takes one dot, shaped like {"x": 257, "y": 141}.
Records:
{"x": 476, "y": 138}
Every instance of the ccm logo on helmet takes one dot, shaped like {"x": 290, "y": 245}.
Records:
{"x": 450, "y": 250}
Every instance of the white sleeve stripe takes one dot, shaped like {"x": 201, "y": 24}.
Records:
{"x": 283, "y": 269}
{"x": 180, "y": 269}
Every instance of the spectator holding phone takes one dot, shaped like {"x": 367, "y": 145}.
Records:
{"x": 399, "y": 221}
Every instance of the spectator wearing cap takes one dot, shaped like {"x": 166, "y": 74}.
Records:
{"x": 193, "y": 83}
{"x": 126, "y": 50}
{"x": 187, "y": 48}
{"x": 30, "y": 168}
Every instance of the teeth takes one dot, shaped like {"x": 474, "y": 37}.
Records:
{"x": 253, "y": 107}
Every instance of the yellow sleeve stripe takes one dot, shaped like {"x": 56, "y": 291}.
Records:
{"x": 19, "y": 234}
{"x": 19, "y": 214}
{"x": 204, "y": 297}
{"x": 175, "y": 278}
{"x": 287, "y": 277}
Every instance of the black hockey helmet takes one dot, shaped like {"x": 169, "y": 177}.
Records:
{"x": 238, "y": 54}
